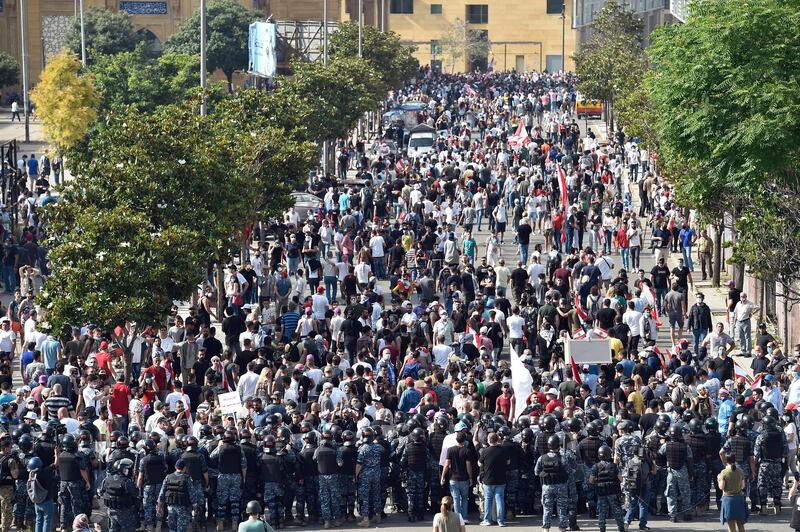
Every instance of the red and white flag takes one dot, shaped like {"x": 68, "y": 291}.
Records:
{"x": 650, "y": 298}
{"x": 400, "y": 166}
{"x": 579, "y": 334}
{"x": 740, "y": 372}
{"x": 661, "y": 358}
{"x": 600, "y": 333}
{"x": 470, "y": 90}
{"x": 581, "y": 313}
{"x": 562, "y": 185}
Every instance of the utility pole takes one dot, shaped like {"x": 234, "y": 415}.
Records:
{"x": 360, "y": 28}
{"x": 25, "y": 104}
{"x": 203, "y": 56}
{"x": 325, "y": 62}
{"x": 83, "y": 35}
{"x": 563, "y": 34}
{"x": 383, "y": 16}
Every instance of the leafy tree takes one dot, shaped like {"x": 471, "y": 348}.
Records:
{"x": 228, "y": 25}
{"x": 392, "y": 60}
{"x": 136, "y": 78}
{"x": 731, "y": 116}
{"x": 66, "y": 102}
{"x": 9, "y": 70}
{"x": 337, "y": 94}
{"x": 106, "y": 32}
{"x": 284, "y": 157}
{"x": 635, "y": 113}
{"x": 460, "y": 42}
{"x": 612, "y": 63}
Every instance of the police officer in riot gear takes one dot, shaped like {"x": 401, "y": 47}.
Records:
{"x": 120, "y": 496}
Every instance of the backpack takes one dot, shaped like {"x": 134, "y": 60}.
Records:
{"x": 593, "y": 302}
{"x": 36, "y": 492}
{"x": 633, "y": 475}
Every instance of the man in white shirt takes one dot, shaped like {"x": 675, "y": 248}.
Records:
{"x": 178, "y": 395}
{"x": 605, "y": 264}
{"x": 502, "y": 273}
{"x": 8, "y": 338}
{"x": 247, "y": 382}
{"x": 516, "y": 325}
{"x": 376, "y": 247}
{"x": 441, "y": 352}
{"x": 363, "y": 273}
{"x": 632, "y": 318}
{"x": 742, "y": 313}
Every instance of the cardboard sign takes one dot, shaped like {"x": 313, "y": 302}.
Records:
{"x": 230, "y": 403}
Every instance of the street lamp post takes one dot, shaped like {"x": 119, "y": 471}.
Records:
{"x": 203, "y": 56}
{"x": 360, "y": 28}
{"x": 25, "y": 103}
{"x": 83, "y": 35}
{"x": 563, "y": 34}
{"x": 325, "y": 62}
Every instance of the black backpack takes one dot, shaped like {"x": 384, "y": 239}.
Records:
{"x": 632, "y": 480}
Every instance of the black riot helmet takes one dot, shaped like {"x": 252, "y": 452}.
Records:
{"x": 695, "y": 427}
{"x": 68, "y": 443}
{"x": 504, "y": 432}
{"x": 676, "y": 432}
{"x": 253, "y": 508}
{"x": 554, "y": 443}
{"x": 367, "y": 435}
{"x": 593, "y": 429}
{"x": 574, "y": 424}
{"x": 712, "y": 425}
{"x": 604, "y": 453}
{"x": 526, "y": 435}
{"x": 349, "y": 437}
{"x": 687, "y": 416}
{"x": 25, "y": 443}
{"x": 549, "y": 423}
{"x": 229, "y": 436}
{"x": 206, "y": 431}
{"x": 269, "y": 443}
{"x": 441, "y": 423}
{"x": 523, "y": 422}
{"x": 310, "y": 438}
{"x": 418, "y": 435}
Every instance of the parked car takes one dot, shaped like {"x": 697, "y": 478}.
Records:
{"x": 420, "y": 140}
{"x": 306, "y": 204}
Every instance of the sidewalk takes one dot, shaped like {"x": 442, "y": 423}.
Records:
{"x": 16, "y": 131}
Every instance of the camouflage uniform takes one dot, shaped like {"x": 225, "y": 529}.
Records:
{"x": 229, "y": 484}
{"x": 770, "y": 448}
{"x": 149, "y": 500}
{"x": 369, "y": 479}
{"x": 625, "y": 448}
{"x": 330, "y": 496}
{"x": 678, "y": 483}
{"x": 554, "y": 496}
{"x": 571, "y": 463}
{"x": 179, "y": 517}
{"x": 607, "y": 503}
{"x": 122, "y": 513}
{"x": 273, "y": 500}
{"x": 24, "y": 510}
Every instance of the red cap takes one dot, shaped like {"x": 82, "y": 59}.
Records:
{"x": 103, "y": 345}
{"x": 410, "y": 381}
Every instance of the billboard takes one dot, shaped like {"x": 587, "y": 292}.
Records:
{"x": 262, "y": 46}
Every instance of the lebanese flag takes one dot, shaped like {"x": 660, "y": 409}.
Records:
{"x": 757, "y": 382}
{"x": 581, "y": 313}
{"x": 661, "y": 358}
{"x": 601, "y": 236}
{"x": 400, "y": 166}
{"x": 470, "y": 90}
{"x": 647, "y": 294}
{"x": 562, "y": 185}
{"x": 600, "y": 333}
{"x": 740, "y": 372}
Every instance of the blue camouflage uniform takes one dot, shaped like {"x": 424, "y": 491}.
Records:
{"x": 121, "y": 504}
{"x": 769, "y": 450}
{"x": 554, "y": 493}
{"x": 575, "y": 476}
{"x": 179, "y": 516}
{"x": 229, "y": 480}
{"x": 369, "y": 479}
{"x": 24, "y": 509}
{"x": 72, "y": 494}
{"x": 678, "y": 487}
{"x": 608, "y": 498}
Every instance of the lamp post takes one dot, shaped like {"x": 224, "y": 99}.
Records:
{"x": 203, "y": 56}
{"x": 83, "y": 34}
{"x": 360, "y": 28}
{"x": 325, "y": 62}
{"x": 25, "y": 104}
{"x": 563, "y": 34}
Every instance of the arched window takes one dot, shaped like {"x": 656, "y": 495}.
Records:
{"x": 152, "y": 44}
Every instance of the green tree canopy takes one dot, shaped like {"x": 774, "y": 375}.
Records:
{"x": 228, "y": 24}
{"x": 384, "y": 51}
{"x": 136, "y": 78}
{"x": 731, "y": 116}
{"x": 337, "y": 94}
{"x": 9, "y": 70}
{"x": 612, "y": 61}
{"x": 107, "y": 32}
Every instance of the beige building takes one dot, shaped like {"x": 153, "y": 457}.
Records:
{"x": 522, "y": 35}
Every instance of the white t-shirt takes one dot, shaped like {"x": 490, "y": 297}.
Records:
{"x": 790, "y": 429}
{"x": 174, "y": 397}
{"x": 515, "y": 325}
{"x": 441, "y": 354}
{"x": 362, "y": 271}
{"x": 7, "y": 340}
{"x": 376, "y": 245}
{"x": 318, "y": 304}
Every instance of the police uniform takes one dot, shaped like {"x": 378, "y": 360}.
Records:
{"x": 587, "y": 449}
{"x": 327, "y": 462}
{"x": 72, "y": 488}
{"x": 231, "y": 464}
{"x": 119, "y": 494}
{"x": 196, "y": 468}
{"x": 348, "y": 454}
{"x": 179, "y": 493}
{"x": 369, "y": 479}
{"x": 770, "y": 449}
{"x": 415, "y": 461}
{"x": 552, "y": 471}
{"x": 514, "y": 451}
{"x": 679, "y": 462}
{"x": 152, "y": 469}
{"x": 7, "y": 488}
{"x": 698, "y": 486}
{"x": 659, "y": 485}
{"x": 742, "y": 449}
{"x": 308, "y": 492}
{"x": 575, "y": 474}
{"x": 24, "y": 510}
{"x": 271, "y": 469}
{"x": 607, "y": 488}
{"x": 251, "y": 484}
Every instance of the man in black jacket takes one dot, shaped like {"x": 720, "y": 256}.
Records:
{"x": 699, "y": 321}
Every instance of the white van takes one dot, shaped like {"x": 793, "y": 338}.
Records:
{"x": 420, "y": 140}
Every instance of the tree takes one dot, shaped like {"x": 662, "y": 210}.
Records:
{"x": 731, "y": 115}
{"x": 136, "y": 78}
{"x": 9, "y": 70}
{"x": 612, "y": 63}
{"x": 460, "y": 42}
{"x": 384, "y": 51}
{"x": 228, "y": 26}
{"x": 106, "y": 32}
{"x": 337, "y": 94}
{"x": 285, "y": 156}
{"x": 66, "y": 101}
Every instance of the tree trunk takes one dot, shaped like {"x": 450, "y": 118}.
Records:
{"x": 716, "y": 265}
{"x": 221, "y": 303}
